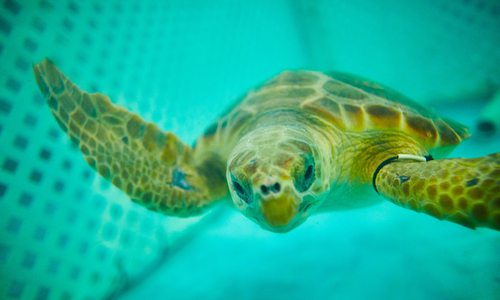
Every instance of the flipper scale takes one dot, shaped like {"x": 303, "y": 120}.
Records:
{"x": 134, "y": 155}
{"x": 465, "y": 191}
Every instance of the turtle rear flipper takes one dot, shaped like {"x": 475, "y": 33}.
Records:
{"x": 465, "y": 191}
{"x": 153, "y": 167}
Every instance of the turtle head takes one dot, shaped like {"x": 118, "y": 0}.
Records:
{"x": 275, "y": 178}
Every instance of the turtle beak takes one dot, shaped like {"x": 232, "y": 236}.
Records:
{"x": 279, "y": 212}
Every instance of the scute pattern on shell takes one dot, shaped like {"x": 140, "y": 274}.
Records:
{"x": 350, "y": 103}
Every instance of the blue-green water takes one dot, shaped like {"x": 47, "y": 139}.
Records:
{"x": 65, "y": 233}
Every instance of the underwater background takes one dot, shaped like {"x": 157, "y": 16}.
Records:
{"x": 66, "y": 233}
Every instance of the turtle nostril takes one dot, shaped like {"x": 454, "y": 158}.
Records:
{"x": 264, "y": 189}
{"x": 276, "y": 187}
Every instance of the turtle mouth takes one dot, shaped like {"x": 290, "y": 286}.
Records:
{"x": 279, "y": 229}
{"x": 280, "y": 213}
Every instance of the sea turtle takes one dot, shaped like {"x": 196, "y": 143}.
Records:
{"x": 304, "y": 141}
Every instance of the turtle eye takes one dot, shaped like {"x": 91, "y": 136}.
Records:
{"x": 303, "y": 183}
{"x": 308, "y": 173}
{"x": 308, "y": 177}
{"x": 241, "y": 191}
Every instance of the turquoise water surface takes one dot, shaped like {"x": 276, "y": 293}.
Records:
{"x": 66, "y": 233}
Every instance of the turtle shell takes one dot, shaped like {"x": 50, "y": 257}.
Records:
{"x": 353, "y": 103}
{"x": 348, "y": 102}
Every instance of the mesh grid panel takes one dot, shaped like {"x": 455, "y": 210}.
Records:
{"x": 67, "y": 234}
{"x": 64, "y": 232}
{"x": 60, "y": 238}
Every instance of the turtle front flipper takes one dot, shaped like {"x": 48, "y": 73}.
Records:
{"x": 465, "y": 191}
{"x": 153, "y": 167}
